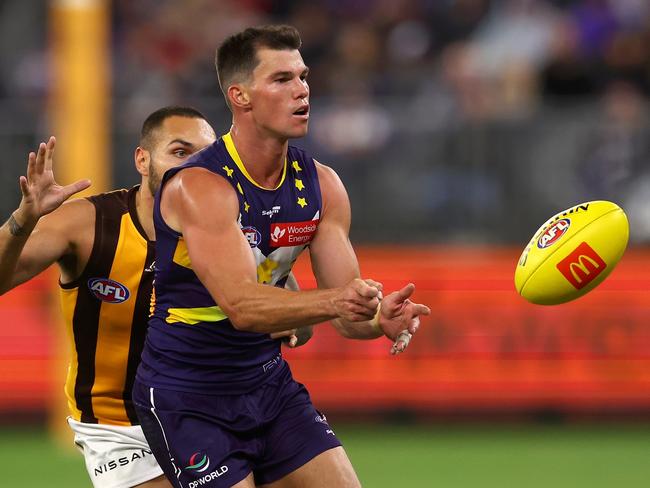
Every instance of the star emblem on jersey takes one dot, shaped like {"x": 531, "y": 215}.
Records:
{"x": 229, "y": 171}
{"x": 296, "y": 166}
{"x": 265, "y": 271}
{"x": 246, "y": 206}
{"x": 299, "y": 185}
{"x": 302, "y": 202}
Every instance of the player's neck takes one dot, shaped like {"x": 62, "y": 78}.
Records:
{"x": 262, "y": 154}
{"x": 144, "y": 209}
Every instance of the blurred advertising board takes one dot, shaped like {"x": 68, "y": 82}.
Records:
{"x": 483, "y": 347}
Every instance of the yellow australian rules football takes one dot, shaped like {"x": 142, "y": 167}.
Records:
{"x": 572, "y": 253}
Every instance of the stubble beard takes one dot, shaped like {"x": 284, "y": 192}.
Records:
{"x": 154, "y": 180}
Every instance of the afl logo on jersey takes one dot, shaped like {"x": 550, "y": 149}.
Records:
{"x": 108, "y": 290}
{"x": 252, "y": 235}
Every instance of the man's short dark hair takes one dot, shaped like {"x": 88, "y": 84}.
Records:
{"x": 156, "y": 119}
{"x": 237, "y": 55}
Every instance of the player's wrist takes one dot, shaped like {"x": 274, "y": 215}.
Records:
{"x": 334, "y": 308}
{"x": 21, "y": 223}
{"x": 374, "y": 322}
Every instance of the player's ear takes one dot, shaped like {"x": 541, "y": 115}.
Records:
{"x": 238, "y": 96}
{"x": 142, "y": 159}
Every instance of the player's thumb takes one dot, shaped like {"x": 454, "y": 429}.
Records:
{"x": 76, "y": 187}
{"x": 405, "y": 292}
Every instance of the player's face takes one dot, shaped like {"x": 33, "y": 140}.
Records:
{"x": 176, "y": 140}
{"x": 279, "y": 93}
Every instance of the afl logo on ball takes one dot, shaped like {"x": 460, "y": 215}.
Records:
{"x": 108, "y": 290}
{"x": 553, "y": 234}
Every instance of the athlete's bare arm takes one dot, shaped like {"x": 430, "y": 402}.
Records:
{"x": 205, "y": 209}
{"x": 301, "y": 335}
{"x": 43, "y": 230}
{"x": 334, "y": 262}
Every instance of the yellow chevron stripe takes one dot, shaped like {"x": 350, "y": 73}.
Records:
{"x": 181, "y": 254}
{"x": 232, "y": 150}
{"x": 193, "y": 316}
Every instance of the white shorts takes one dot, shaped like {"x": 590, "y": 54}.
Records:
{"x": 116, "y": 456}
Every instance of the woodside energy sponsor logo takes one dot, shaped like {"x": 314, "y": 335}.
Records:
{"x": 293, "y": 233}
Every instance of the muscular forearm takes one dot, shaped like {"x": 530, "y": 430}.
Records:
{"x": 267, "y": 309}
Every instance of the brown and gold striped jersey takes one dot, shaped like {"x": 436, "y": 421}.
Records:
{"x": 106, "y": 312}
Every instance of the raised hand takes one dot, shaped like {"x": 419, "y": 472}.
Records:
{"x": 399, "y": 317}
{"x": 41, "y": 193}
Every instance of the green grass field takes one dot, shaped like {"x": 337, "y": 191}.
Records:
{"x": 526, "y": 456}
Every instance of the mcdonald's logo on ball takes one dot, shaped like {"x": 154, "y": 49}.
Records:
{"x": 581, "y": 256}
{"x": 582, "y": 266}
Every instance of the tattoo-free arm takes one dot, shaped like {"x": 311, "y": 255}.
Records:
{"x": 205, "y": 209}
{"x": 332, "y": 256}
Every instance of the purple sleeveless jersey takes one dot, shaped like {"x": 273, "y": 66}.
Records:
{"x": 191, "y": 345}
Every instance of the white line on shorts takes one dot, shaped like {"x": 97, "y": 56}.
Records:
{"x": 171, "y": 458}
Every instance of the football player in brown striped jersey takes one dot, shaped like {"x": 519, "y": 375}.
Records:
{"x": 104, "y": 248}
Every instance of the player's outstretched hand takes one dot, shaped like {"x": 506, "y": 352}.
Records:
{"x": 358, "y": 300}
{"x": 41, "y": 193}
{"x": 399, "y": 317}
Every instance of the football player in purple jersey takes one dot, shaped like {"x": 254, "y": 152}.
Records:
{"x": 216, "y": 400}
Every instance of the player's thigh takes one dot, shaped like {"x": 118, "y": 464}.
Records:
{"x": 248, "y": 482}
{"x": 329, "y": 469}
{"x": 160, "y": 482}
{"x": 195, "y": 437}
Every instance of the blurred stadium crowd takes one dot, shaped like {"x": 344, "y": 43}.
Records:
{"x": 451, "y": 121}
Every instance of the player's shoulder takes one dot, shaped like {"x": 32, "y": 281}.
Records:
{"x": 332, "y": 189}
{"x": 198, "y": 183}
{"x": 326, "y": 174}
{"x": 210, "y": 155}
{"x": 114, "y": 199}
{"x": 295, "y": 153}
{"x": 81, "y": 212}
{"x": 203, "y": 162}
{"x": 74, "y": 210}
{"x": 72, "y": 219}
{"x": 299, "y": 154}
{"x": 298, "y": 151}
{"x": 198, "y": 176}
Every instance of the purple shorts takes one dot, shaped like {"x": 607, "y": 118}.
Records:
{"x": 217, "y": 440}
